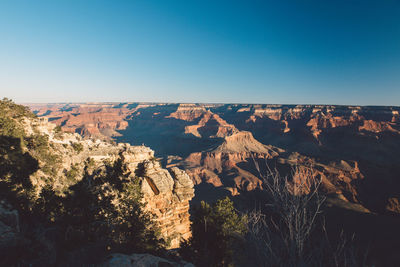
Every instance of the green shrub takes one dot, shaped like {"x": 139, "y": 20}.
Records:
{"x": 38, "y": 146}
{"x": 216, "y": 229}
{"x": 37, "y": 142}
{"x": 72, "y": 173}
{"x": 57, "y": 129}
{"x": 58, "y": 133}
{"x": 14, "y": 111}
{"x": 89, "y": 163}
{"x": 10, "y": 117}
{"x": 78, "y": 147}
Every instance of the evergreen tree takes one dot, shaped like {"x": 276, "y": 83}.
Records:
{"x": 216, "y": 230}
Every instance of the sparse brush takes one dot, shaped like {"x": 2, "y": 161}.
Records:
{"x": 291, "y": 230}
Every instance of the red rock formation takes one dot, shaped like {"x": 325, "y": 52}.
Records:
{"x": 91, "y": 120}
{"x": 211, "y": 125}
{"x": 218, "y": 144}
{"x": 188, "y": 112}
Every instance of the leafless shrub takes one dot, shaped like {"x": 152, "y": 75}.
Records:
{"x": 286, "y": 234}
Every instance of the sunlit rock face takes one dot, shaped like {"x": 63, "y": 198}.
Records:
{"x": 188, "y": 112}
{"x": 167, "y": 195}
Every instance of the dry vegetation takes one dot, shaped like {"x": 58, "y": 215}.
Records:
{"x": 291, "y": 231}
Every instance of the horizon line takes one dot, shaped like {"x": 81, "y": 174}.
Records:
{"x": 198, "y": 103}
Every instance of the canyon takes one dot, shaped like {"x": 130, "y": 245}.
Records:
{"x": 58, "y": 167}
{"x": 142, "y": 170}
{"x": 227, "y": 148}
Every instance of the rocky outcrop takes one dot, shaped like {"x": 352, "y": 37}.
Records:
{"x": 141, "y": 260}
{"x": 166, "y": 193}
{"x": 188, "y": 112}
{"x": 210, "y": 126}
{"x": 242, "y": 142}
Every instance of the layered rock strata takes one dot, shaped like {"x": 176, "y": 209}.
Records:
{"x": 218, "y": 143}
{"x": 166, "y": 193}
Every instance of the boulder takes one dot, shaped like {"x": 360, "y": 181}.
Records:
{"x": 141, "y": 260}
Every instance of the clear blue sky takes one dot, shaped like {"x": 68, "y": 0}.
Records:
{"x": 327, "y": 52}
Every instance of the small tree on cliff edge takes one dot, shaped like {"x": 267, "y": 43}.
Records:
{"x": 215, "y": 228}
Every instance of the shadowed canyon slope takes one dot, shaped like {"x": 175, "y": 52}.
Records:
{"x": 223, "y": 148}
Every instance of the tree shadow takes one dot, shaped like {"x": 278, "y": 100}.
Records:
{"x": 16, "y": 166}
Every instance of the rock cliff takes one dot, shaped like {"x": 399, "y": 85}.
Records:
{"x": 166, "y": 193}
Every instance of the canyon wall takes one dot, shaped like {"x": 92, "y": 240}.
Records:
{"x": 355, "y": 149}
